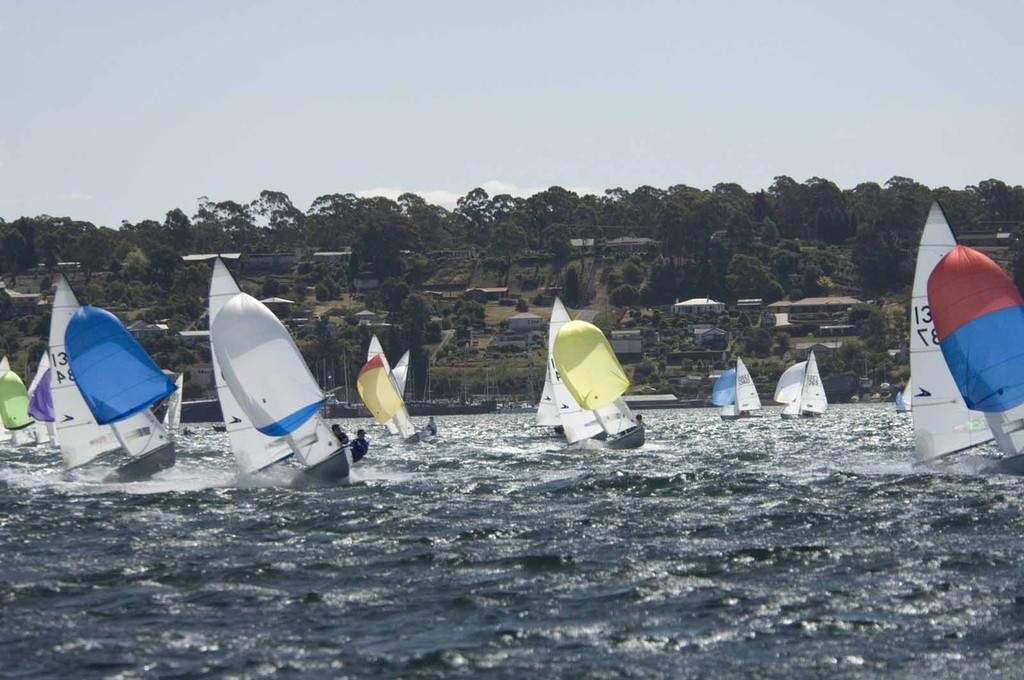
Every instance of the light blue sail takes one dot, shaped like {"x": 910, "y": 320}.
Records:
{"x": 724, "y": 391}
{"x": 116, "y": 377}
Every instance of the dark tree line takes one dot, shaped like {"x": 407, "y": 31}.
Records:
{"x": 724, "y": 242}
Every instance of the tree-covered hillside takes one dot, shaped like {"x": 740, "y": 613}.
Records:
{"x": 790, "y": 241}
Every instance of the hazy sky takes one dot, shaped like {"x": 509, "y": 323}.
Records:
{"x": 125, "y": 109}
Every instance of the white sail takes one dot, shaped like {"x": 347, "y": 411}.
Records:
{"x": 557, "y": 405}
{"x": 400, "y": 372}
{"x": 172, "y": 417}
{"x": 747, "y": 398}
{"x": 942, "y": 422}
{"x": 904, "y": 401}
{"x": 616, "y": 417}
{"x": 270, "y": 379}
{"x": 375, "y": 349}
{"x": 252, "y": 450}
{"x": 81, "y": 438}
{"x": 787, "y": 391}
{"x": 812, "y": 393}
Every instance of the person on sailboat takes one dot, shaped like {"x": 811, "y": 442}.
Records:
{"x": 360, "y": 445}
{"x": 432, "y": 426}
{"x": 339, "y": 433}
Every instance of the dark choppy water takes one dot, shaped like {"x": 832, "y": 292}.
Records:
{"x": 763, "y": 548}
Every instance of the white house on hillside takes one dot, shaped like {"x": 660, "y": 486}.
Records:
{"x": 697, "y": 306}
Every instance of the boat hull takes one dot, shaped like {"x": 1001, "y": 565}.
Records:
{"x": 630, "y": 439}
{"x": 794, "y": 416}
{"x": 331, "y": 470}
{"x": 418, "y": 436}
{"x": 742, "y": 416}
{"x": 144, "y": 467}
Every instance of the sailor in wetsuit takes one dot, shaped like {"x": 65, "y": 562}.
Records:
{"x": 340, "y": 434}
{"x": 431, "y": 426}
{"x": 359, "y": 446}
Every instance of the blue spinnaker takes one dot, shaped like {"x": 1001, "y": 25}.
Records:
{"x": 116, "y": 377}
{"x": 724, "y": 391}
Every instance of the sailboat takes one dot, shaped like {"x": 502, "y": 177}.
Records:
{"x": 557, "y": 407}
{"x": 119, "y": 383}
{"x": 905, "y": 399}
{"x": 378, "y": 387}
{"x": 735, "y": 392}
{"x": 979, "y": 323}
{"x": 252, "y": 450}
{"x": 587, "y": 364}
{"x": 800, "y": 390}
{"x": 40, "y": 404}
{"x": 943, "y": 423}
{"x": 82, "y": 436}
{"x": 172, "y": 416}
{"x": 269, "y": 398}
{"x": 14, "y": 406}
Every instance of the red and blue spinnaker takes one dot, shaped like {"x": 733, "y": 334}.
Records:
{"x": 979, "y": 322}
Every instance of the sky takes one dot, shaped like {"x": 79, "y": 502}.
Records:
{"x": 116, "y": 110}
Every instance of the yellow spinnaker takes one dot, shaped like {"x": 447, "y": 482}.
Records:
{"x": 14, "y": 402}
{"x": 588, "y": 366}
{"x": 377, "y": 390}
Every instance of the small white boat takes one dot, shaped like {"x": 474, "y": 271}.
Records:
{"x": 801, "y": 391}
{"x": 736, "y": 393}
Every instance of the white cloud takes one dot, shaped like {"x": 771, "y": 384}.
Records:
{"x": 448, "y": 199}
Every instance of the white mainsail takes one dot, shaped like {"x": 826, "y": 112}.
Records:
{"x": 812, "y": 393}
{"x": 401, "y": 372}
{"x": 81, "y": 437}
{"x": 942, "y": 422}
{"x": 557, "y": 406}
{"x": 172, "y": 417}
{"x": 252, "y": 450}
{"x": 747, "y": 398}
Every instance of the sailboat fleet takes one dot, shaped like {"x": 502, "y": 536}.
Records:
{"x": 93, "y": 390}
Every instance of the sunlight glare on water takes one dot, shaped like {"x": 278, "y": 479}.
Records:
{"x": 759, "y": 547}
